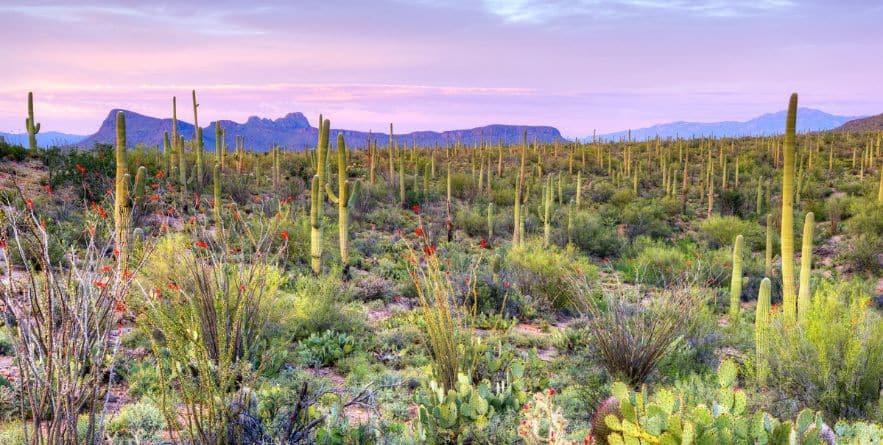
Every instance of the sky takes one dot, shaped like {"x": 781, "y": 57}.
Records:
{"x": 578, "y": 65}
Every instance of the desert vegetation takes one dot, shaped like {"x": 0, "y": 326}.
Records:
{"x": 662, "y": 291}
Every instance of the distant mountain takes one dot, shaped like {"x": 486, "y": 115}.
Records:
{"x": 867, "y": 124}
{"x": 765, "y": 125}
{"x": 293, "y": 131}
{"x": 44, "y": 139}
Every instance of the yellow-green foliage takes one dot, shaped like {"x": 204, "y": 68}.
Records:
{"x": 719, "y": 231}
{"x": 833, "y": 360}
{"x": 543, "y": 272}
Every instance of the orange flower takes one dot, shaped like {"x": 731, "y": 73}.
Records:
{"x": 416, "y": 208}
{"x": 483, "y": 244}
{"x": 30, "y": 204}
{"x": 160, "y": 174}
{"x": 284, "y": 235}
{"x": 201, "y": 245}
{"x": 173, "y": 286}
{"x": 419, "y": 231}
{"x": 100, "y": 285}
{"x": 106, "y": 269}
{"x": 81, "y": 169}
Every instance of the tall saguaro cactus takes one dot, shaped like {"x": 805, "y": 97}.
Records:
{"x": 216, "y": 197}
{"x": 121, "y": 192}
{"x": 344, "y": 200}
{"x": 736, "y": 279}
{"x": 197, "y": 143}
{"x": 31, "y": 125}
{"x": 315, "y": 226}
{"x": 804, "y": 293}
{"x": 768, "y": 257}
{"x": 789, "y": 299}
{"x": 519, "y": 184}
{"x": 761, "y": 330}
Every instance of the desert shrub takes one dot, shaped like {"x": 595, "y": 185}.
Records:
{"x": 316, "y": 304}
{"x": 594, "y": 237}
{"x": 462, "y": 186}
{"x": 139, "y": 422}
{"x": 543, "y": 272}
{"x": 602, "y": 192}
{"x": 834, "y": 360}
{"x": 622, "y": 197}
{"x": 862, "y": 254}
{"x": 656, "y": 265}
{"x": 867, "y": 220}
{"x": 645, "y": 217}
{"x": 721, "y": 231}
{"x": 633, "y": 331}
{"x": 12, "y": 152}
{"x": 473, "y": 220}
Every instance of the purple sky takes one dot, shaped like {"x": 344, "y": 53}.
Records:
{"x": 578, "y": 65}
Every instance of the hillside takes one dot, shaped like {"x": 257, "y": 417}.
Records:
{"x": 867, "y": 124}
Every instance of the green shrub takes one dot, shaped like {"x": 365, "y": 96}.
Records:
{"x": 140, "y": 422}
{"x": 833, "y": 361}
{"x": 721, "y": 231}
{"x": 544, "y": 271}
{"x": 594, "y": 237}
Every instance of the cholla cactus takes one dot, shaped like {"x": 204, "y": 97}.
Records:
{"x": 543, "y": 422}
{"x": 32, "y": 126}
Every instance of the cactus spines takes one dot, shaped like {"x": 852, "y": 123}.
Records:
{"x": 121, "y": 195}
{"x": 804, "y": 292}
{"x": 216, "y": 198}
{"x": 736, "y": 280}
{"x": 600, "y": 428}
{"x": 789, "y": 298}
{"x": 761, "y": 330}
{"x": 315, "y": 227}
{"x": 31, "y": 125}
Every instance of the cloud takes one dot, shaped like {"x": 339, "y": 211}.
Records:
{"x": 541, "y": 11}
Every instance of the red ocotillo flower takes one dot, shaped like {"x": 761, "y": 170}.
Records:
{"x": 284, "y": 235}
{"x": 201, "y": 244}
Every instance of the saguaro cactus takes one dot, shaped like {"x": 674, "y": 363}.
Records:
{"x": 197, "y": 143}
{"x": 216, "y": 197}
{"x": 768, "y": 263}
{"x": 490, "y": 221}
{"x": 315, "y": 226}
{"x": 519, "y": 183}
{"x": 761, "y": 330}
{"x": 736, "y": 280}
{"x": 32, "y": 126}
{"x": 344, "y": 200}
{"x": 121, "y": 195}
{"x": 219, "y": 144}
{"x": 789, "y": 300}
{"x": 804, "y": 295}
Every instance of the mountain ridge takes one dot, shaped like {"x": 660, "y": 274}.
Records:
{"x": 294, "y": 131}
{"x": 767, "y": 124}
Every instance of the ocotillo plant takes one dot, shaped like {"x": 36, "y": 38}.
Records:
{"x": 121, "y": 192}
{"x": 761, "y": 330}
{"x": 197, "y": 144}
{"x": 804, "y": 295}
{"x": 736, "y": 280}
{"x": 789, "y": 300}
{"x": 344, "y": 200}
{"x": 32, "y": 126}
